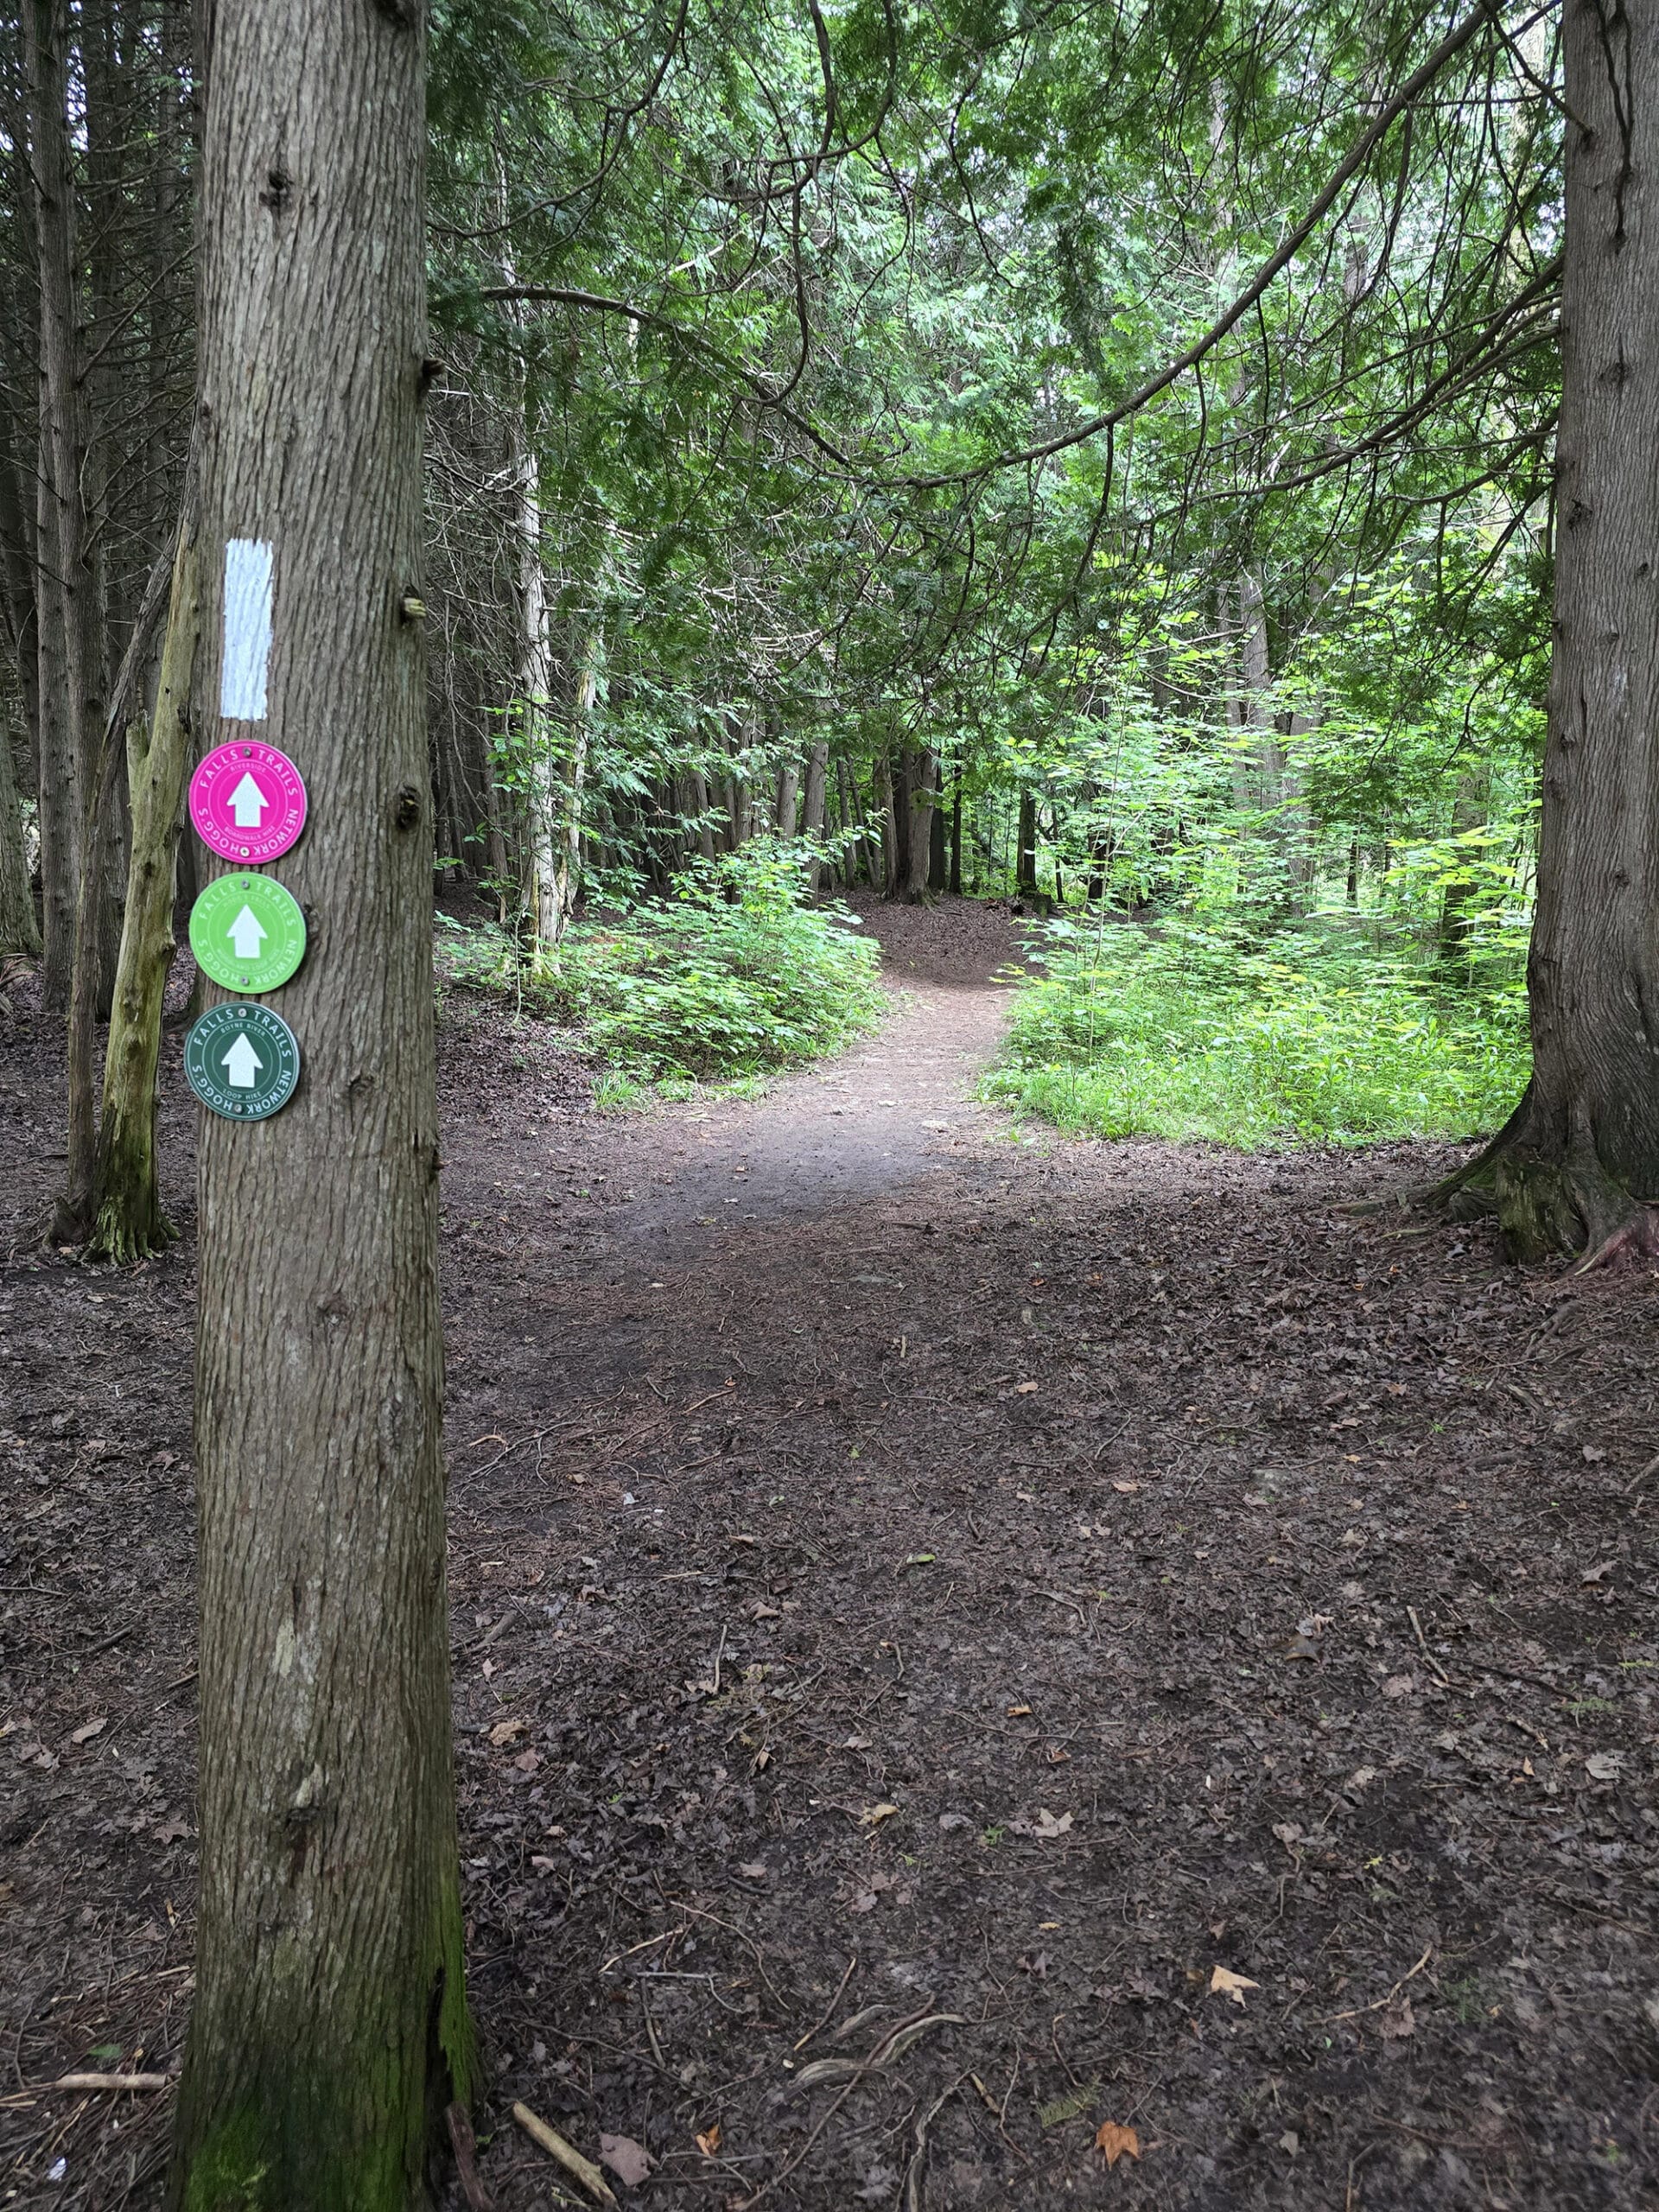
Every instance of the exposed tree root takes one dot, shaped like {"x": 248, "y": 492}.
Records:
{"x": 1549, "y": 1198}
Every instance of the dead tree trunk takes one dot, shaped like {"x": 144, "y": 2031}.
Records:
{"x": 128, "y": 1222}
{"x": 329, "y": 2031}
{"x": 1581, "y": 1156}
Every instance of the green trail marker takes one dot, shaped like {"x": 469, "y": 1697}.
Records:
{"x": 247, "y": 932}
{"x": 242, "y": 1061}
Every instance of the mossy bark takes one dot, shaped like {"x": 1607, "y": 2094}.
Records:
{"x": 328, "y": 2034}
{"x": 128, "y": 1222}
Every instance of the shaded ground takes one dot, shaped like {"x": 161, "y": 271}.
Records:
{"x": 926, "y": 1600}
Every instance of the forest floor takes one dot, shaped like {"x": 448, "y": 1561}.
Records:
{"x": 961, "y": 1637}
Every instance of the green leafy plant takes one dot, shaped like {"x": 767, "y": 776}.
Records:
{"x": 1191, "y": 1031}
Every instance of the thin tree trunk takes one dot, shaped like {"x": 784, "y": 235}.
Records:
{"x": 788, "y": 807}
{"x": 71, "y": 630}
{"x": 818, "y": 764}
{"x": 560, "y": 904}
{"x": 956, "y": 835}
{"x": 329, "y": 2029}
{"x": 128, "y": 1222}
{"x": 887, "y": 807}
{"x": 19, "y": 929}
{"x": 1025, "y": 878}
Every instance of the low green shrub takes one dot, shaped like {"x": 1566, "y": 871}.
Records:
{"x": 1188, "y": 1032}
{"x": 731, "y": 975}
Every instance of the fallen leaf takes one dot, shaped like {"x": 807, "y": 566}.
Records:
{"x": 505, "y": 1731}
{"x": 1397, "y": 2021}
{"x": 88, "y": 1729}
{"x": 1225, "y": 1983}
{"x": 1598, "y": 1574}
{"x": 756, "y": 1870}
{"x": 864, "y": 1902}
{"x": 709, "y": 2141}
{"x": 1019, "y": 1712}
{"x": 1128, "y": 1489}
{"x": 1024, "y": 1390}
{"x": 1398, "y": 1686}
{"x": 1604, "y": 1766}
{"x": 873, "y": 1815}
{"x": 1290, "y": 2141}
{"x": 1302, "y": 1647}
{"x": 1114, "y": 2141}
{"x": 1046, "y": 1826}
{"x": 629, "y": 2161}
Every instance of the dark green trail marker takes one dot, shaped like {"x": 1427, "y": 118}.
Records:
{"x": 247, "y": 932}
{"x": 242, "y": 1061}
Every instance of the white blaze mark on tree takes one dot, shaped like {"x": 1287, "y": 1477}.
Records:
{"x": 247, "y": 934}
{"x": 242, "y": 1064}
{"x": 248, "y": 803}
{"x": 248, "y": 566}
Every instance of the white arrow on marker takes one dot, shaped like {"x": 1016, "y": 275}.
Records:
{"x": 247, "y": 933}
{"x": 248, "y": 803}
{"x": 242, "y": 1064}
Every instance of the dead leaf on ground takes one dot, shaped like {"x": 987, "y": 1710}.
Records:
{"x": 1223, "y": 1982}
{"x": 88, "y": 1729}
{"x": 1019, "y": 1712}
{"x": 1127, "y": 1489}
{"x": 873, "y": 1815}
{"x": 629, "y": 2161}
{"x": 709, "y": 2141}
{"x": 1116, "y": 2141}
{"x": 1605, "y": 1766}
{"x": 505, "y": 1731}
{"x": 754, "y": 1869}
{"x": 1398, "y": 2020}
{"x": 1398, "y": 1685}
{"x": 1024, "y": 1388}
{"x": 1046, "y": 1826}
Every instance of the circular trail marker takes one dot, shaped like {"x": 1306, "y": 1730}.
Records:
{"x": 247, "y": 801}
{"x": 247, "y": 932}
{"x": 242, "y": 1061}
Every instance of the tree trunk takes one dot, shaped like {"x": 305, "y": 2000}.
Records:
{"x": 128, "y": 1222}
{"x": 894, "y": 818}
{"x": 19, "y": 931}
{"x": 69, "y": 643}
{"x": 1581, "y": 1154}
{"x": 789, "y": 800}
{"x": 956, "y": 835}
{"x": 1025, "y": 877}
{"x": 557, "y": 898}
{"x": 813, "y": 807}
{"x": 329, "y": 2029}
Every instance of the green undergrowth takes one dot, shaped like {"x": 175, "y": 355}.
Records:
{"x": 732, "y": 977}
{"x": 1315, "y": 1034}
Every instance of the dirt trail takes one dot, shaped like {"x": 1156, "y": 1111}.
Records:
{"x": 923, "y": 1603}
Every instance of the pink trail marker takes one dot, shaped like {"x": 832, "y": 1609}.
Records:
{"x": 247, "y": 801}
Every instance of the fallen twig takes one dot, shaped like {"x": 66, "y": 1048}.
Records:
{"x": 580, "y": 2169}
{"x": 1360, "y": 2011}
{"x": 830, "y": 2014}
{"x": 111, "y": 2082}
{"x": 914, "y": 2179}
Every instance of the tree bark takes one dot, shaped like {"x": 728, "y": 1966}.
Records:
{"x": 1575, "y": 1165}
{"x": 128, "y": 1222}
{"x": 19, "y": 929}
{"x": 329, "y": 2029}
{"x": 813, "y": 806}
{"x": 65, "y": 575}
{"x": 1024, "y": 873}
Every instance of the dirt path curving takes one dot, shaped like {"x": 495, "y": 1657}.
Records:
{"x": 929, "y": 1608}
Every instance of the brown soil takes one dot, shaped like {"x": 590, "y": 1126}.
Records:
{"x": 932, "y": 1601}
